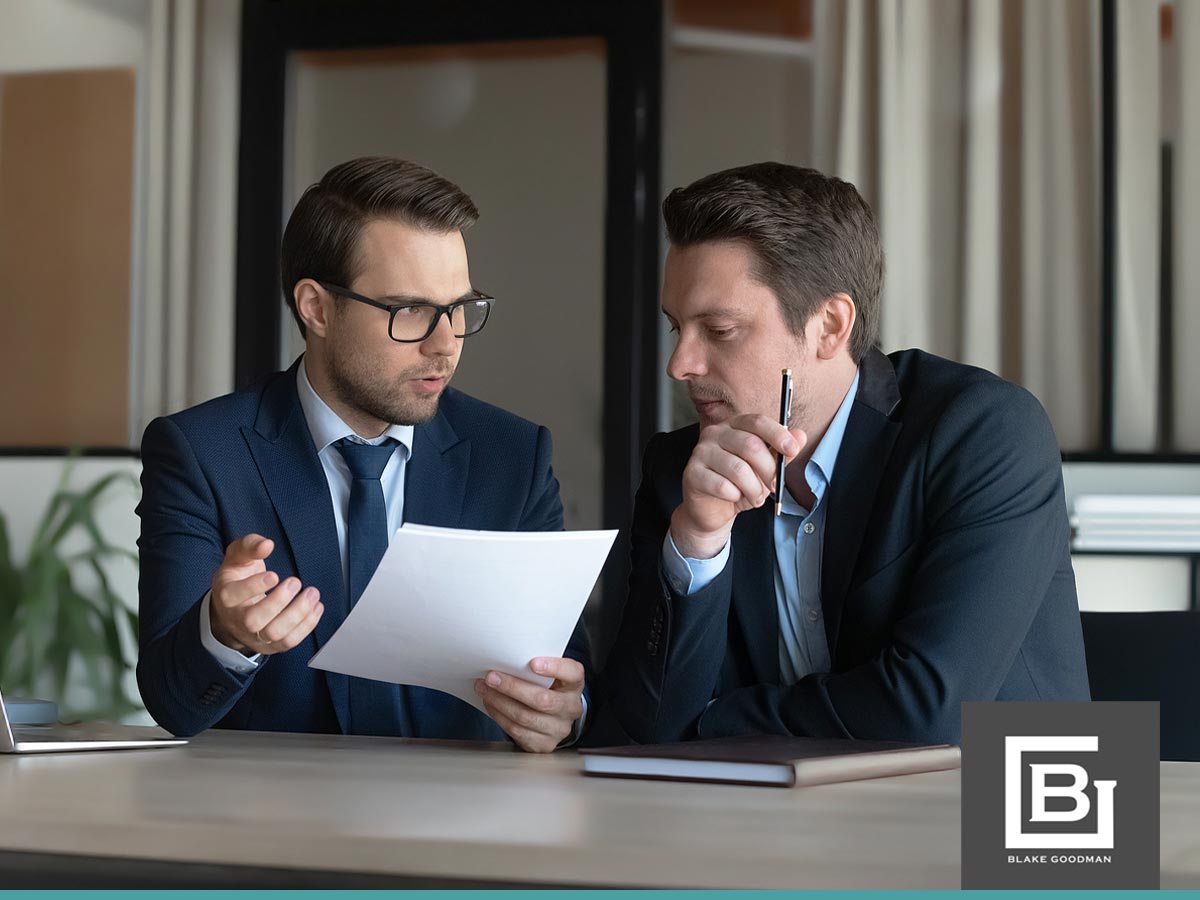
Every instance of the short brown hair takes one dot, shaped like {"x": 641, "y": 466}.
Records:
{"x": 812, "y": 236}
{"x": 321, "y": 238}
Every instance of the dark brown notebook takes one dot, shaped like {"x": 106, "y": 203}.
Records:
{"x": 769, "y": 760}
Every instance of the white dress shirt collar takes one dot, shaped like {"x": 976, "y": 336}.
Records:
{"x": 326, "y": 426}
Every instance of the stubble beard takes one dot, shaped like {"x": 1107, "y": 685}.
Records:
{"x": 352, "y": 383}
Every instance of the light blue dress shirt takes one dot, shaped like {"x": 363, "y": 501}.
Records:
{"x": 799, "y": 543}
{"x": 327, "y": 427}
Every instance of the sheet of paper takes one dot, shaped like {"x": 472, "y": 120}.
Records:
{"x": 446, "y": 606}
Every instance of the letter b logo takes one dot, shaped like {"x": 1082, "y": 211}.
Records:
{"x": 1014, "y": 834}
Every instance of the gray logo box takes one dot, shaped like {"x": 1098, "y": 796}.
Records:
{"x": 1060, "y": 796}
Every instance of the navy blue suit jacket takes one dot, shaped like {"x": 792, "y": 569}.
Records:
{"x": 945, "y": 576}
{"x": 245, "y": 463}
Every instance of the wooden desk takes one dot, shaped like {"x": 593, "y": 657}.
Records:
{"x": 310, "y": 811}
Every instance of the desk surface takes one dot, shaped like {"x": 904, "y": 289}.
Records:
{"x": 414, "y": 810}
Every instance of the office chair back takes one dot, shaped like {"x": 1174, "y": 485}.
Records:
{"x": 1150, "y": 656}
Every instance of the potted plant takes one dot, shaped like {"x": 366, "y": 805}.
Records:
{"x": 55, "y": 633}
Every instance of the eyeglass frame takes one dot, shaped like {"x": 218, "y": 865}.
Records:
{"x": 393, "y": 308}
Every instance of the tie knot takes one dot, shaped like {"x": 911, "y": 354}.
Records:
{"x": 365, "y": 461}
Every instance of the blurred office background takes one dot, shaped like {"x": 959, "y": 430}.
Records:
{"x": 1035, "y": 166}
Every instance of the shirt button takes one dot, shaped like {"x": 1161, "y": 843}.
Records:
{"x": 809, "y": 527}
{"x": 813, "y": 615}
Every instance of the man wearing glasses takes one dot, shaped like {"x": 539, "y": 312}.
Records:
{"x": 265, "y": 512}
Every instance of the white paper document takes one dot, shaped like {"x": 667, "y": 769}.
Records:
{"x": 446, "y": 606}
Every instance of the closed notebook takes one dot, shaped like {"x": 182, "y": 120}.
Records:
{"x": 770, "y": 760}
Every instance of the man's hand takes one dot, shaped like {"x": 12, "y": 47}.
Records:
{"x": 732, "y": 469}
{"x": 537, "y": 718}
{"x": 244, "y": 616}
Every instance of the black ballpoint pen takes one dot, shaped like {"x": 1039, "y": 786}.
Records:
{"x": 785, "y": 408}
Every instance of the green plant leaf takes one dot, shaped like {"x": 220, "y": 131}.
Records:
{"x": 109, "y": 617}
{"x": 10, "y": 590}
{"x": 55, "y": 502}
{"x": 51, "y": 631}
{"x": 99, "y": 553}
{"x": 80, "y": 509}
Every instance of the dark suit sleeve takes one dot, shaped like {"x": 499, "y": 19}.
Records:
{"x": 994, "y": 532}
{"x": 184, "y": 688}
{"x": 666, "y": 659}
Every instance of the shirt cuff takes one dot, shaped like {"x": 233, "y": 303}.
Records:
{"x": 686, "y": 575}
{"x": 577, "y": 728}
{"x": 226, "y": 656}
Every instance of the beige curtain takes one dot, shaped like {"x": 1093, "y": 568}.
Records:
{"x": 973, "y": 129}
{"x": 184, "y": 308}
{"x": 1186, "y": 308}
{"x": 1057, "y": 245}
{"x": 1137, "y": 213}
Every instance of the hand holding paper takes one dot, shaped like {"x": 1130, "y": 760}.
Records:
{"x": 446, "y": 607}
{"x": 537, "y": 718}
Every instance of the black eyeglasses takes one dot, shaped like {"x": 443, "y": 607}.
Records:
{"x": 411, "y": 323}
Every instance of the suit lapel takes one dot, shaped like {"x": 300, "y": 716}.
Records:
{"x": 864, "y": 453}
{"x": 753, "y": 598}
{"x": 435, "y": 479}
{"x": 286, "y": 457}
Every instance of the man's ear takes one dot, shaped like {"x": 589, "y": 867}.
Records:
{"x": 314, "y": 305}
{"x": 836, "y": 319}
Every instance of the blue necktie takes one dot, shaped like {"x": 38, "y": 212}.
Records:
{"x": 375, "y": 706}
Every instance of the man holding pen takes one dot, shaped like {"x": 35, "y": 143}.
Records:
{"x": 921, "y": 555}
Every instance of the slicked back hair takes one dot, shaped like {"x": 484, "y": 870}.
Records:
{"x": 321, "y": 237}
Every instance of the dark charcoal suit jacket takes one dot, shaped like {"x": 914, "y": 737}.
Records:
{"x": 946, "y": 576}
